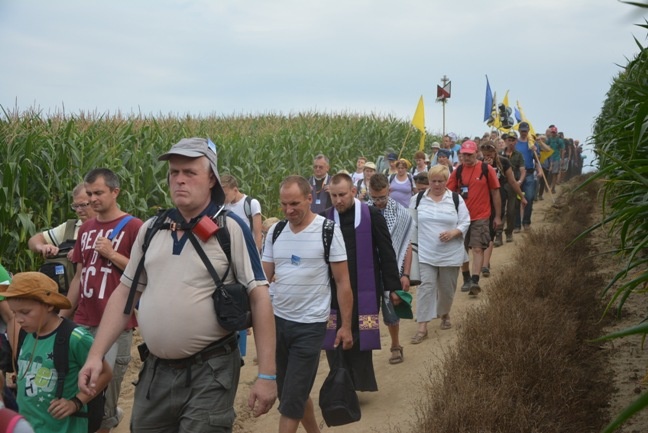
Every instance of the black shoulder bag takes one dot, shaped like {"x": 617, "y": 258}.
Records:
{"x": 231, "y": 301}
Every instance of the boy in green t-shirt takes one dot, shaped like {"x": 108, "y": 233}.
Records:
{"x": 35, "y": 301}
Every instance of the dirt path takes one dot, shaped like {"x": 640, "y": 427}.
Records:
{"x": 400, "y": 386}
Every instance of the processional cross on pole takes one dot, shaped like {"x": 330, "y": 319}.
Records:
{"x": 443, "y": 93}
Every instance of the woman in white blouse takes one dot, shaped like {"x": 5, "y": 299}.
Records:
{"x": 443, "y": 220}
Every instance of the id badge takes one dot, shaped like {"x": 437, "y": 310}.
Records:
{"x": 317, "y": 201}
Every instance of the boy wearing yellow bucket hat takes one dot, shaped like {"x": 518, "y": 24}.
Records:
{"x": 35, "y": 301}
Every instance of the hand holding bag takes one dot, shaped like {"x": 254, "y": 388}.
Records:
{"x": 338, "y": 399}
{"x": 389, "y": 312}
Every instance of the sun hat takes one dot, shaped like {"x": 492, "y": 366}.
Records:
{"x": 369, "y": 165}
{"x": 435, "y": 145}
{"x": 404, "y": 309}
{"x": 195, "y": 148}
{"x": 469, "y": 147}
{"x": 37, "y": 286}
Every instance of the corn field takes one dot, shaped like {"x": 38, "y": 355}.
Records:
{"x": 43, "y": 157}
{"x": 621, "y": 144}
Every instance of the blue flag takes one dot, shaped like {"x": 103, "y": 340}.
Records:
{"x": 488, "y": 104}
{"x": 518, "y": 115}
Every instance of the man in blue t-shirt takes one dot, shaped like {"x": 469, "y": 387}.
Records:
{"x": 529, "y": 184}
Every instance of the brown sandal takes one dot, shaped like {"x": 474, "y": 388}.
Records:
{"x": 396, "y": 355}
{"x": 418, "y": 337}
{"x": 445, "y": 323}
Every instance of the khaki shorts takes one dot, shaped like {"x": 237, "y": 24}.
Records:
{"x": 478, "y": 235}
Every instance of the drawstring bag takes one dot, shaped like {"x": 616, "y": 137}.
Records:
{"x": 338, "y": 399}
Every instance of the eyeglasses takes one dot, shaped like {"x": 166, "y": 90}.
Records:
{"x": 381, "y": 199}
{"x": 76, "y": 206}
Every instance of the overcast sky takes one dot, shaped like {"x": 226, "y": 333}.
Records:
{"x": 557, "y": 57}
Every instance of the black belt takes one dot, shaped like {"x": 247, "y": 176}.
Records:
{"x": 221, "y": 347}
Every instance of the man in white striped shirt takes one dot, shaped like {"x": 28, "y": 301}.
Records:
{"x": 296, "y": 259}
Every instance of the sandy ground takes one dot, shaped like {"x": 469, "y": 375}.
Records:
{"x": 401, "y": 385}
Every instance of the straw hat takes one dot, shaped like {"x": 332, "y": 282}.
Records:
{"x": 37, "y": 286}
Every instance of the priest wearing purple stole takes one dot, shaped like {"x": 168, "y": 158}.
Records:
{"x": 372, "y": 269}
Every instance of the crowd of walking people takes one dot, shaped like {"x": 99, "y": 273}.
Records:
{"x": 349, "y": 249}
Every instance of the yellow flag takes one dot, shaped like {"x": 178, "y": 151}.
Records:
{"x": 544, "y": 154}
{"x": 505, "y": 100}
{"x": 524, "y": 119}
{"x": 419, "y": 121}
{"x": 532, "y": 133}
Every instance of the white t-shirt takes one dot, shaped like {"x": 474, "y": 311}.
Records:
{"x": 357, "y": 176}
{"x": 302, "y": 291}
{"x": 434, "y": 218}
{"x": 239, "y": 208}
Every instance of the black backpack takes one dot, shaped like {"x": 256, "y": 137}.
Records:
{"x": 455, "y": 199}
{"x": 483, "y": 173}
{"x": 95, "y": 407}
{"x": 159, "y": 223}
{"x": 327, "y": 235}
{"x": 247, "y": 208}
{"x": 59, "y": 268}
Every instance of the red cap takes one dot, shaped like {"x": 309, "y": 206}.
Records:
{"x": 468, "y": 147}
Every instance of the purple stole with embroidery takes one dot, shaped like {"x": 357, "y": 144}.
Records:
{"x": 366, "y": 280}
